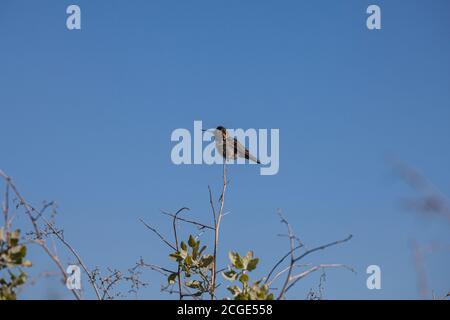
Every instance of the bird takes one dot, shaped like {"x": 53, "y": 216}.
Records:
{"x": 233, "y": 148}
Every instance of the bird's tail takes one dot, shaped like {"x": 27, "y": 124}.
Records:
{"x": 251, "y": 157}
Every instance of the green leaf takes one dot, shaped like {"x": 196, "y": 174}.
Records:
{"x": 17, "y": 253}
{"x": 235, "y": 290}
{"x": 171, "y": 278}
{"x": 247, "y": 258}
{"x": 236, "y": 260}
{"x": 249, "y": 255}
{"x": 243, "y": 296}
{"x": 189, "y": 261}
{"x": 206, "y": 261}
{"x": 15, "y": 234}
{"x": 176, "y": 256}
{"x": 252, "y": 264}
{"x": 22, "y": 279}
{"x": 230, "y": 275}
{"x": 244, "y": 278}
{"x": 183, "y": 246}
{"x": 194, "y": 284}
{"x": 14, "y": 238}
{"x": 192, "y": 243}
{"x": 183, "y": 254}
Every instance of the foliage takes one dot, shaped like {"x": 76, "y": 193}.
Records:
{"x": 239, "y": 269}
{"x": 195, "y": 265}
{"x": 12, "y": 256}
{"x": 196, "y": 270}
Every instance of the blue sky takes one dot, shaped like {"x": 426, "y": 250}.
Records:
{"x": 86, "y": 118}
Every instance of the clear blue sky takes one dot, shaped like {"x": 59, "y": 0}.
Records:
{"x": 86, "y": 118}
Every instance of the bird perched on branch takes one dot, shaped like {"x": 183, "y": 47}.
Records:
{"x": 229, "y": 147}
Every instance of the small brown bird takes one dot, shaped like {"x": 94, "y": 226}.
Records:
{"x": 230, "y": 147}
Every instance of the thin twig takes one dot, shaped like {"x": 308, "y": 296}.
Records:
{"x": 174, "y": 224}
{"x": 291, "y": 254}
{"x": 280, "y": 262}
{"x": 77, "y": 256}
{"x": 323, "y": 247}
{"x": 290, "y": 279}
{"x": 217, "y": 228}
{"x": 158, "y": 234}
{"x": 201, "y": 225}
{"x": 5, "y": 209}
{"x": 40, "y": 241}
{"x": 157, "y": 268}
{"x": 300, "y": 276}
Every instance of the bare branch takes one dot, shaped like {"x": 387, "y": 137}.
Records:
{"x": 174, "y": 223}
{"x": 159, "y": 235}
{"x": 157, "y": 268}
{"x": 323, "y": 247}
{"x": 290, "y": 279}
{"x": 5, "y": 209}
{"x": 302, "y": 275}
{"x": 291, "y": 254}
{"x": 40, "y": 241}
{"x": 211, "y": 202}
{"x": 201, "y": 225}
{"x": 280, "y": 262}
{"x": 77, "y": 256}
{"x": 217, "y": 228}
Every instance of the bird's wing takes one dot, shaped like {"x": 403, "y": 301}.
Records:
{"x": 242, "y": 151}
